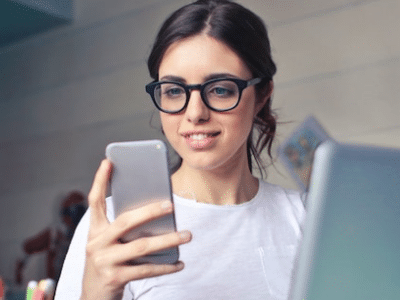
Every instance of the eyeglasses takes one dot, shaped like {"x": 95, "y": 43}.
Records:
{"x": 219, "y": 95}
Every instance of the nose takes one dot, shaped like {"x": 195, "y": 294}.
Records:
{"x": 196, "y": 111}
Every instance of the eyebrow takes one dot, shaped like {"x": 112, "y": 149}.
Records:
{"x": 207, "y": 78}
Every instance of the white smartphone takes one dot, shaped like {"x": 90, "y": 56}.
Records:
{"x": 141, "y": 176}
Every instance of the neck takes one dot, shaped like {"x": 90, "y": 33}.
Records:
{"x": 222, "y": 186}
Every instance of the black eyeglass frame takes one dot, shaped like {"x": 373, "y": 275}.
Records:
{"x": 241, "y": 84}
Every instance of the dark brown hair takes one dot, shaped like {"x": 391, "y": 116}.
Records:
{"x": 245, "y": 33}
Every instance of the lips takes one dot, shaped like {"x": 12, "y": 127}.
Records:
{"x": 200, "y": 140}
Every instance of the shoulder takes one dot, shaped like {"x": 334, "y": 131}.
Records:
{"x": 267, "y": 189}
{"x": 286, "y": 201}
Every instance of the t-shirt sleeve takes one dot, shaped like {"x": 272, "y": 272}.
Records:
{"x": 69, "y": 286}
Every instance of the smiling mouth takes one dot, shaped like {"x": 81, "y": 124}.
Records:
{"x": 200, "y": 136}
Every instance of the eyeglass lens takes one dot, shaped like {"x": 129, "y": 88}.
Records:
{"x": 220, "y": 95}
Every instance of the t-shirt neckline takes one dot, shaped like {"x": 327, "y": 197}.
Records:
{"x": 194, "y": 203}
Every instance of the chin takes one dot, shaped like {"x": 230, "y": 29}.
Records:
{"x": 201, "y": 166}
{"x": 208, "y": 163}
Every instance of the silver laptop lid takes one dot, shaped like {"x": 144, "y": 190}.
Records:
{"x": 351, "y": 242}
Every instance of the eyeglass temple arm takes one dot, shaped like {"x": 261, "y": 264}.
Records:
{"x": 254, "y": 81}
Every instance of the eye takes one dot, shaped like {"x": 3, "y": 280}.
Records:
{"x": 222, "y": 91}
{"x": 172, "y": 91}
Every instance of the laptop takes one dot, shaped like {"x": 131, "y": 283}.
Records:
{"x": 351, "y": 242}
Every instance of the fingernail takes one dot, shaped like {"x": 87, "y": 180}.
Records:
{"x": 185, "y": 236}
{"x": 166, "y": 205}
{"x": 180, "y": 265}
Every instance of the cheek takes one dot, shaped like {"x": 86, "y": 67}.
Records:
{"x": 239, "y": 127}
{"x": 169, "y": 125}
{"x": 243, "y": 123}
{"x": 246, "y": 114}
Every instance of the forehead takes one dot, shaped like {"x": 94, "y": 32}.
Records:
{"x": 197, "y": 57}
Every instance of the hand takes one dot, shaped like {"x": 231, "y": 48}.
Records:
{"x": 107, "y": 270}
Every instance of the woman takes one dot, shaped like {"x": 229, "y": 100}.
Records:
{"x": 212, "y": 72}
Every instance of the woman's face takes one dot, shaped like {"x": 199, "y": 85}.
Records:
{"x": 206, "y": 139}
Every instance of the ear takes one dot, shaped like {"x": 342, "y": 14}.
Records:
{"x": 264, "y": 97}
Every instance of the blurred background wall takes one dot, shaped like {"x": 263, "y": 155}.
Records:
{"x": 67, "y": 92}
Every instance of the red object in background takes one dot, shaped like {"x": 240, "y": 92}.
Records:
{"x": 1, "y": 288}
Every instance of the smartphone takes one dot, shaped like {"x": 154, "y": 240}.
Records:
{"x": 141, "y": 176}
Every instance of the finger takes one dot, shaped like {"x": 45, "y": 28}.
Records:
{"x": 121, "y": 254}
{"x": 97, "y": 195}
{"x": 134, "y": 218}
{"x": 130, "y": 273}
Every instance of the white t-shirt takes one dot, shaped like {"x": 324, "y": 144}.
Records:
{"x": 241, "y": 251}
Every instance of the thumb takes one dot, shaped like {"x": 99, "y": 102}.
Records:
{"x": 96, "y": 198}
